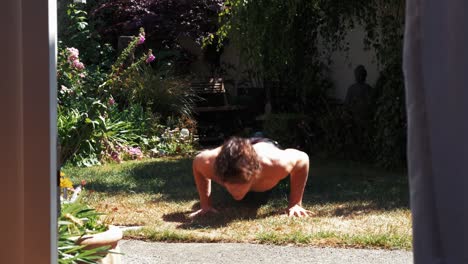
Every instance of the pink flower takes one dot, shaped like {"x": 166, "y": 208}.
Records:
{"x": 82, "y": 75}
{"x": 150, "y": 58}
{"x": 135, "y": 152}
{"x": 65, "y": 89}
{"x": 72, "y": 54}
{"x": 115, "y": 157}
{"x": 111, "y": 101}
{"x": 141, "y": 38}
{"x": 72, "y": 58}
{"x": 73, "y": 51}
{"x": 78, "y": 64}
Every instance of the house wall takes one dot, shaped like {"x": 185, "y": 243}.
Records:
{"x": 342, "y": 67}
{"x": 344, "y": 63}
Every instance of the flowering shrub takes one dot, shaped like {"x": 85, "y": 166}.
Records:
{"x": 150, "y": 58}
{"x": 71, "y": 75}
{"x": 141, "y": 38}
{"x": 100, "y": 115}
{"x": 119, "y": 71}
{"x": 89, "y": 128}
{"x": 173, "y": 142}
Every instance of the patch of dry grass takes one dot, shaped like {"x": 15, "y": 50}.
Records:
{"x": 352, "y": 207}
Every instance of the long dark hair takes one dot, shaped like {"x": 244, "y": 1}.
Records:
{"x": 237, "y": 161}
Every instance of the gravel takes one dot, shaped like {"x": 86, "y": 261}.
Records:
{"x": 234, "y": 253}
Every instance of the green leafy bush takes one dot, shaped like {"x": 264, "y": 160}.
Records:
{"x": 75, "y": 30}
{"x": 286, "y": 128}
{"x": 74, "y": 134}
{"x": 389, "y": 141}
{"x": 75, "y": 221}
{"x": 110, "y": 112}
{"x": 173, "y": 142}
{"x": 159, "y": 90}
{"x": 89, "y": 123}
{"x": 335, "y": 132}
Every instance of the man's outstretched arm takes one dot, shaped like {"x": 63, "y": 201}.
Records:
{"x": 204, "y": 191}
{"x": 298, "y": 180}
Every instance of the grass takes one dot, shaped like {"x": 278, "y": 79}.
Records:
{"x": 353, "y": 205}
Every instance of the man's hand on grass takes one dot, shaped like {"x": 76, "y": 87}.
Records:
{"x": 203, "y": 211}
{"x": 298, "y": 211}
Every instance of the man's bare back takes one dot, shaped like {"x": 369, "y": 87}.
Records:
{"x": 275, "y": 165}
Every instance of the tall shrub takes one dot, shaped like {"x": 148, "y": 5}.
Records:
{"x": 90, "y": 126}
{"x": 290, "y": 42}
{"x": 164, "y": 20}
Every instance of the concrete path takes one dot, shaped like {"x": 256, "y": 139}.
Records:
{"x": 139, "y": 252}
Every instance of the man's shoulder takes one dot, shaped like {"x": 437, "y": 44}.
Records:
{"x": 204, "y": 163}
{"x": 295, "y": 154}
{"x": 206, "y": 155}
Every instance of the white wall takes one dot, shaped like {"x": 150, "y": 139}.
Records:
{"x": 342, "y": 68}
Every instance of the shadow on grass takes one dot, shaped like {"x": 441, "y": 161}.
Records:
{"x": 210, "y": 220}
{"x": 172, "y": 178}
{"x": 358, "y": 187}
{"x": 228, "y": 211}
{"x": 334, "y": 182}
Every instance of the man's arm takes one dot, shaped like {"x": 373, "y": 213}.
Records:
{"x": 204, "y": 190}
{"x": 298, "y": 180}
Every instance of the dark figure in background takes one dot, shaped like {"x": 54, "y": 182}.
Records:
{"x": 359, "y": 94}
{"x": 358, "y": 102}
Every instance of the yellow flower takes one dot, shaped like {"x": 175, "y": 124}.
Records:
{"x": 62, "y": 174}
{"x": 65, "y": 183}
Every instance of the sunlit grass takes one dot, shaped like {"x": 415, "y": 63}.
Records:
{"x": 352, "y": 206}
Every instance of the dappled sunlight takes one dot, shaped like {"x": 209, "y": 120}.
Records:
{"x": 376, "y": 223}
{"x": 362, "y": 209}
{"x": 168, "y": 177}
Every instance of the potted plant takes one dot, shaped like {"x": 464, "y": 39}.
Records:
{"x": 83, "y": 236}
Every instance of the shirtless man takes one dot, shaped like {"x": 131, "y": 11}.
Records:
{"x": 242, "y": 166}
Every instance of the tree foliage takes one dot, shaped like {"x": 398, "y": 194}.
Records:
{"x": 281, "y": 36}
{"x": 291, "y": 42}
{"x": 163, "y": 20}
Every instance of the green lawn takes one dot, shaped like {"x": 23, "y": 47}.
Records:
{"x": 353, "y": 205}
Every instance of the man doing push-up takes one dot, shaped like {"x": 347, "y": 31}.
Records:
{"x": 244, "y": 165}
